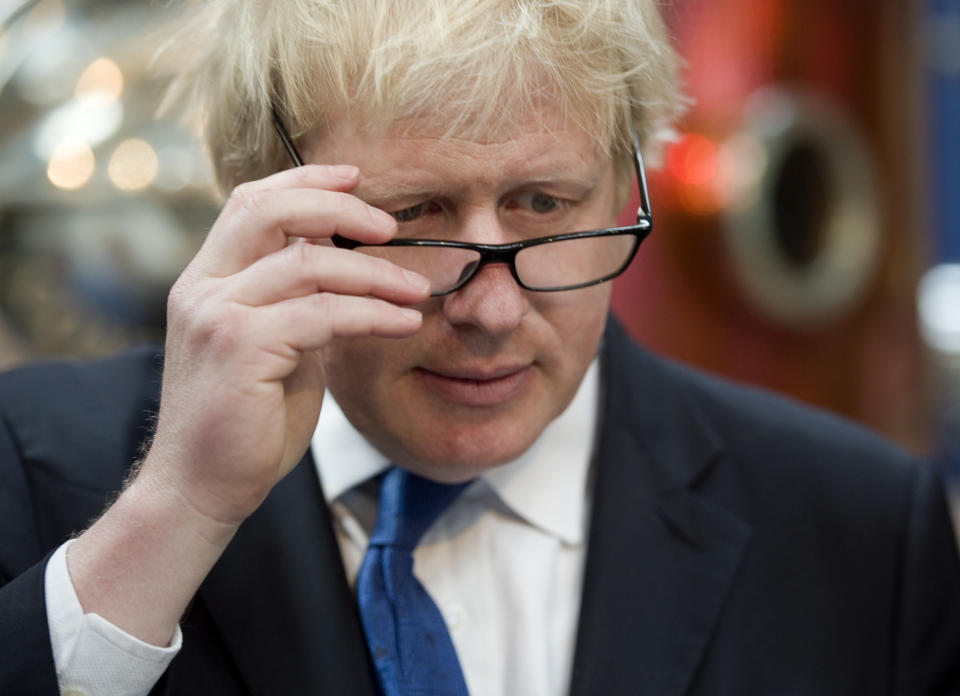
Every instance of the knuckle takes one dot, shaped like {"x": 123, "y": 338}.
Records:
{"x": 177, "y": 297}
{"x": 322, "y": 303}
{"x": 180, "y": 299}
{"x": 218, "y": 326}
{"x": 302, "y": 254}
{"x": 244, "y": 197}
{"x": 332, "y": 311}
{"x": 343, "y": 204}
{"x": 200, "y": 315}
{"x": 300, "y": 177}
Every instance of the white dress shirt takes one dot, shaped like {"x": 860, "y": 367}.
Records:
{"x": 504, "y": 564}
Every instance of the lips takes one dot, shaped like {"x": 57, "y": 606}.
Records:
{"x": 479, "y": 388}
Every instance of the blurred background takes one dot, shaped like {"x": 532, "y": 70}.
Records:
{"x": 101, "y": 203}
{"x": 807, "y": 217}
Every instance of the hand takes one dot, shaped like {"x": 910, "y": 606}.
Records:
{"x": 242, "y": 386}
{"x": 247, "y": 320}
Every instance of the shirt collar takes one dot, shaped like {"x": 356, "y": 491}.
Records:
{"x": 546, "y": 485}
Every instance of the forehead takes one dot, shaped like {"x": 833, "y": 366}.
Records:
{"x": 416, "y": 156}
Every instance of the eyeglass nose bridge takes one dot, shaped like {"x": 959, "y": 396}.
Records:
{"x": 489, "y": 254}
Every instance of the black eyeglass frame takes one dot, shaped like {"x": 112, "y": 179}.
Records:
{"x": 507, "y": 253}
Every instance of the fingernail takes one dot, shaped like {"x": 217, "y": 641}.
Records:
{"x": 416, "y": 280}
{"x": 344, "y": 171}
{"x": 411, "y": 314}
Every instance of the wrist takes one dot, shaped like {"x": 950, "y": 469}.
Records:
{"x": 213, "y": 497}
{"x": 140, "y": 564}
{"x": 162, "y": 497}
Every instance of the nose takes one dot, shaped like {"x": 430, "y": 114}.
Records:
{"x": 492, "y": 301}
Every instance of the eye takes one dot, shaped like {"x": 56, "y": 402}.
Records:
{"x": 408, "y": 214}
{"x": 542, "y": 203}
{"x": 416, "y": 211}
{"x": 537, "y": 202}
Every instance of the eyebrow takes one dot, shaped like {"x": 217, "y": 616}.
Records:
{"x": 384, "y": 193}
{"x": 381, "y": 192}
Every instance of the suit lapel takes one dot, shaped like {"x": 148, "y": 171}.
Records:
{"x": 281, "y": 601}
{"x": 661, "y": 558}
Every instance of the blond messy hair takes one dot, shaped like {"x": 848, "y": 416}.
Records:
{"x": 465, "y": 67}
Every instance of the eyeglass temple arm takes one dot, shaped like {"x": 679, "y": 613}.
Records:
{"x": 285, "y": 138}
{"x": 641, "y": 176}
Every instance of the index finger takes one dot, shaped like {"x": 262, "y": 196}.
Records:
{"x": 312, "y": 201}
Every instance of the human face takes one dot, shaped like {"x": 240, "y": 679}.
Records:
{"x": 492, "y": 364}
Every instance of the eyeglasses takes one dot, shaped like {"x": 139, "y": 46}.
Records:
{"x": 566, "y": 261}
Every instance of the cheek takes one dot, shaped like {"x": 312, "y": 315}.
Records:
{"x": 351, "y": 366}
{"x": 361, "y": 372}
{"x": 576, "y": 330}
{"x": 354, "y": 369}
{"x": 578, "y": 319}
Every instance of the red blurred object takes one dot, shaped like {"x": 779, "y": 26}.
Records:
{"x": 684, "y": 295}
{"x": 692, "y": 159}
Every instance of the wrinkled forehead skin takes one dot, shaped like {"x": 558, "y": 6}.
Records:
{"x": 541, "y": 119}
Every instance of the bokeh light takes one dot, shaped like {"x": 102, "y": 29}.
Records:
{"x": 742, "y": 164}
{"x": 694, "y": 162}
{"x": 692, "y": 159}
{"x": 133, "y": 165}
{"x": 938, "y": 305}
{"x": 71, "y": 165}
{"x": 102, "y": 79}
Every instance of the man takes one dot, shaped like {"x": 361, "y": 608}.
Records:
{"x": 626, "y": 527}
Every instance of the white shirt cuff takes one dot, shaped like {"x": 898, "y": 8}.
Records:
{"x": 91, "y": 655}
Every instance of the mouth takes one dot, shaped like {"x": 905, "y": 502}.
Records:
{"x": 479, "y": 388}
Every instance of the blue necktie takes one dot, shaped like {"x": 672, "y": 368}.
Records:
{"x": 406, "y": 635}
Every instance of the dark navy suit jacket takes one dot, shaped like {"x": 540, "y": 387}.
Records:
{"x": 739, "y": 545}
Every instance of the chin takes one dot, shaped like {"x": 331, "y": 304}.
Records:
{"x": 460, "y": 453}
